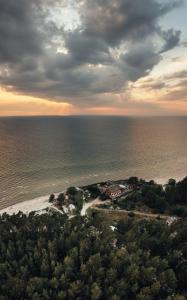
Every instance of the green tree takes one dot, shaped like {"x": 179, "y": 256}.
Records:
{"x": 95, "y": 291}
{"x": 51, "y": 198}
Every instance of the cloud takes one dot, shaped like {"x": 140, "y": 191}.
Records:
{"x": 171, "y": 38}
{"x": 19, "y": 34}
{"x": 179, "y": 75}
{"x": 141, "y": 58}
{"x": 113, "y": 21}
{"x": 84, "y": 48}
{"x": 168, "y": 88}
{"x": 177, "y": 91}
{"x": 113, "y": 44}
{"x": 153, "y": 85}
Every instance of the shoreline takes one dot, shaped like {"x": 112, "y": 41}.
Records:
{"x": 36, "y": 204}
{"x": 42, "y": 202}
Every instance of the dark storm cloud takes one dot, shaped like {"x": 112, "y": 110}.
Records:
{"x": 113, "y": 21}
{"x": 113, "y": 44}
{"x": 171, "y": 38}
{"x": 18, "y": 34}
{"x": 81, "y": 50}
{"x": 141, "y": 58}
{"x": 85, "y": 48}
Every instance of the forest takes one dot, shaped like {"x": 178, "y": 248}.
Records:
{"x": 50, "y": 256}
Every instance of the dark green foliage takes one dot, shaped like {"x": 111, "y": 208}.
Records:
{"x": 51, "y": 257}
{"x": 133, "y": 180}
{"x": 94, "y": 191}
{"x": 51, "y": 198}
{"x": 130, "y": 202}
{"x": 172, "y": 182}
{"x": 154, "y": 201}
{"x": 71, "y": 191}
{"x": 178, "y": 210}
{"x": 104, "y": 197}
{"x": 131, "y": 214}
{"x": 75, "y": 197}
{"x": 60, "y": 199}
{"x": 177, "y": 192}
{"x": 172, "y": 200}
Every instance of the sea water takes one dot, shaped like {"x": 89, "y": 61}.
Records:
{"x": 42, "y": 155}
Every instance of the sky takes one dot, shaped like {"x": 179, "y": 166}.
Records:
{"x": 85, "y": 57}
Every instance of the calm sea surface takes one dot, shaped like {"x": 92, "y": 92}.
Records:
{"x": 42, "y": 155}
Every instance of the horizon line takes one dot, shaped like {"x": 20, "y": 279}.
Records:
{"x": 90, "y": 115}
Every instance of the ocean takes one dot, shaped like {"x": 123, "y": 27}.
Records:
{"x": 42, "y": 155}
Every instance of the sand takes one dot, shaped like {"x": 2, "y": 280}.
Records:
{"x": 37, "y": 204}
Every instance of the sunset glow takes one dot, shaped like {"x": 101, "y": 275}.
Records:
{"x": 98, "y": 60}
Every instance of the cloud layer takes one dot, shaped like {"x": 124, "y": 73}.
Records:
{"x": 115, "y": 42}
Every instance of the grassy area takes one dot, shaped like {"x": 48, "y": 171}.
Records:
{"x": 122, "y": 214}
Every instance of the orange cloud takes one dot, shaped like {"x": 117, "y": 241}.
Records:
{"x": 19, "y": 105}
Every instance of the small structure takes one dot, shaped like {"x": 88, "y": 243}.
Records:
{"x": 170, "y": 220}
{"x": 114, "y": 191}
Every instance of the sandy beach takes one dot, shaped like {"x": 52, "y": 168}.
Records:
{"x": 39, "y": 204}
{"x": 26, "y": 207}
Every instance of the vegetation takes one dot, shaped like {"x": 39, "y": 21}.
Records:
{"x": 51, "y": 198}
{"x": 53, "y": 257}
{"x": 144, "y": 196}
{"x": 152, "y": 197}
{"x": 75, "y": 197}
{"x": 71, "y": 196}
{"x": 94, "y": 190}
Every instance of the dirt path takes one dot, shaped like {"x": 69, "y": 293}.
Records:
{"x": 123, "y": 212}
{"x": 90, "y": 204}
